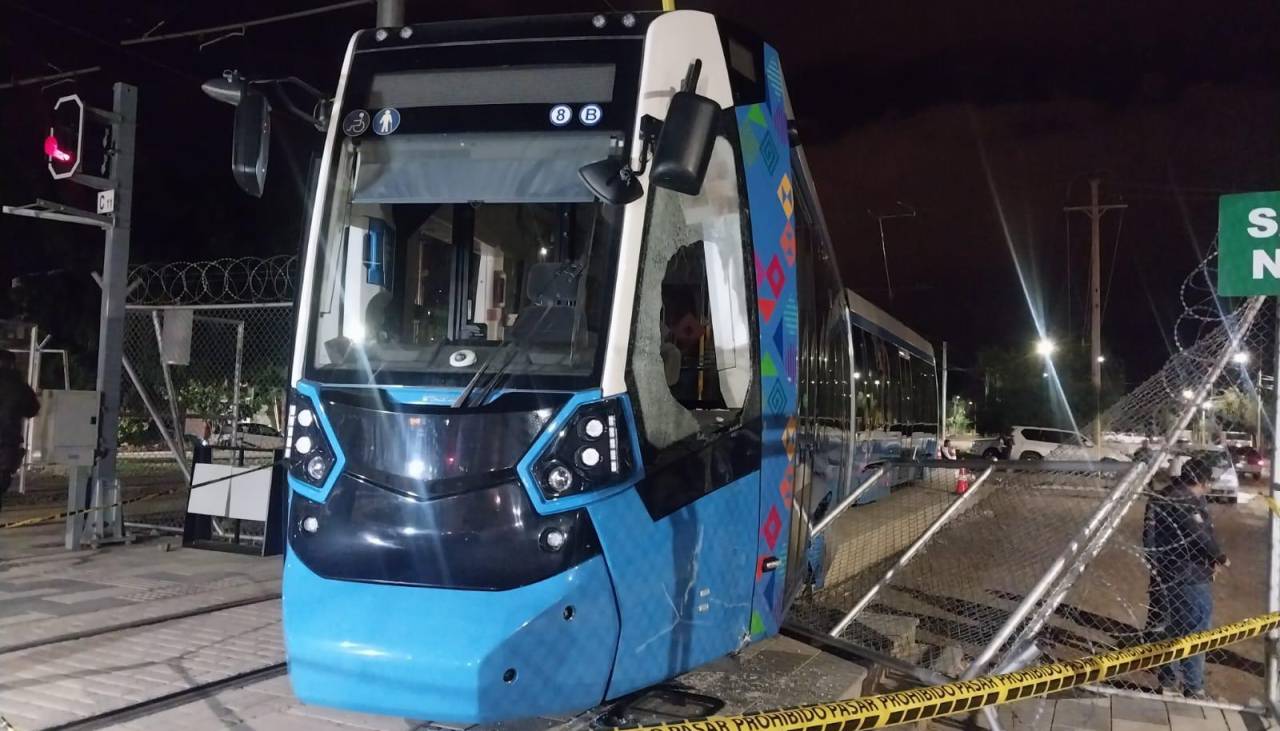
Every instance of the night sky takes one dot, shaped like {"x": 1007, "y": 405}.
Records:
{"x": 1172, "y": 104}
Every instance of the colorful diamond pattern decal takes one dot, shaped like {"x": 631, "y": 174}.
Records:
{"x": 778, "y": 397}
{"x": 789, "y": 440}
{"x": 788, "y": 243}
{"x": 786, "y": 196}
{"x": 769, "y": 153}
{"x": 791, "y": 316}
{"x": 768, "y": 369}
{"x": 780, "y": 341}
{"x": 774, "y": 275}
{"x": 766, "y": 309}
{"x": 772, "y": 527}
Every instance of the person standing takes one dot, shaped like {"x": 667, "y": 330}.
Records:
{"x": 1184, "y": 557}
{"x": 17, "y": 402}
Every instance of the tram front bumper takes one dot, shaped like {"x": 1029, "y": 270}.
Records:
{"x": 448, "y": 655}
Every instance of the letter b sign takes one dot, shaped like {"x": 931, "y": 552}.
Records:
{"x": 1249, "y": 244}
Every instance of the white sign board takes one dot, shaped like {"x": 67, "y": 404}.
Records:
{"x": 175, "y": 336}
{"x": 106, "y": 201}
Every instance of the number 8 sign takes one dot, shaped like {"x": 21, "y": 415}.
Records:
{"x": 561, "y": 115}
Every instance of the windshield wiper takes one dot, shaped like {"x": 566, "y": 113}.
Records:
{"x": 515, "y": 346}
{"x": 463, "y": 397}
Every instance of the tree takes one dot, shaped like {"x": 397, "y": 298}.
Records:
{"x": 1020, "y": 388}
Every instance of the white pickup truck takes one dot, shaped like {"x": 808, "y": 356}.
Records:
{"x": 1032, "y": 442}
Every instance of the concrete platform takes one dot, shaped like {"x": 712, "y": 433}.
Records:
{"x": 47, "y": 593}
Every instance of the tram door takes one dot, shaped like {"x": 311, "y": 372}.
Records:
{"x": 823, "y": 409}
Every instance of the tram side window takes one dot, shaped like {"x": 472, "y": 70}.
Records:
{"x": 691, "y": 360}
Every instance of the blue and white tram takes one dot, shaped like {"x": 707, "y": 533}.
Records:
{"x": 561, "y": 410}
{"x": 895, "y": 393}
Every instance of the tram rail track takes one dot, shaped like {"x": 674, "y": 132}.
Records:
{"x": 112, "y": 717}
{"x": 135, "y": 624}
{"x": 152, "y": 706}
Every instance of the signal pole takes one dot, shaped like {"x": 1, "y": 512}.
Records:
{"x": 1095, "y": 212}
{"x": 114, "y": 217}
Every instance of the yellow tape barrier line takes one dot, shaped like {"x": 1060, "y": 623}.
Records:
{"x": 26, "y": 522}
{"x": 39, "y": 520}
{"x": 1273, "y": 504}
{"x": 920, "y": 704}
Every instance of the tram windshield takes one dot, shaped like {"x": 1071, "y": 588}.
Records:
{"x": 446, "y": 254}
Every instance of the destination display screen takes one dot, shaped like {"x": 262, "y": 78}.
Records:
{"x": 461, "y": 87}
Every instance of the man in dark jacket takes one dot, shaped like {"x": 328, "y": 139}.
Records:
{"x": 1183, "y": 555}
{"x": 17, "y": 402}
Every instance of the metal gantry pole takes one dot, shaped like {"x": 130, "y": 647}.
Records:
{"x": 155, "y": 416}
{"x": 168, "y": 383}
{"x": 115, "y": 272}
{"x": 28, "y": 429}
{"x": 235, "y": 387}
{"x": 1128, "y": 484}
{"x": 1142, "y": 475}
{"x": 858, "y": 491}
{"x": 911, "y": 552}
{"x": 1273, "y": 564}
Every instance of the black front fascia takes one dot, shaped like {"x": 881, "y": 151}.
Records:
{"x": 625, "y": 54}
{"x": 429, "y": 496}
{"x": 483, "y": 539}
{"x": 692, "y": 469}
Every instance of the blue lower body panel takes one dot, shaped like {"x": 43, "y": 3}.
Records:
{"x": 449, "y": 655}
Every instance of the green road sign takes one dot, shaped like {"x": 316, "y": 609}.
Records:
{"x": 1249, "y": 244}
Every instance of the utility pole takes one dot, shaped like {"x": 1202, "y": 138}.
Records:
{"x": 1095, "y": 213}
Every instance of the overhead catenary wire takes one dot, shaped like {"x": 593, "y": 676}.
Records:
{"x": 244, "y": 24}
{"x": 33, "y": 80}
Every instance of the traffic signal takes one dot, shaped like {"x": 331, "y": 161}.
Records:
{"x": 63, "y": 145}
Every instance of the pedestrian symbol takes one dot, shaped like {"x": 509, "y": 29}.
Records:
{"x": 386, "y": 121}
{"x": 355, "y": 123}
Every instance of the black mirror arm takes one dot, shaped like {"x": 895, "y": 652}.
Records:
{"x": 314, "y": 118}
{"x": 650, "y": 128}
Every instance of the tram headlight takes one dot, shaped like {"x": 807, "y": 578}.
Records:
{"x": 591, "y": 451}
{"x": 308, "y": 451}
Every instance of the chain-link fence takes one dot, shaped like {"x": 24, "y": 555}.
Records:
{"x": 963, "y": 576}
{"x": 206, "y": 348}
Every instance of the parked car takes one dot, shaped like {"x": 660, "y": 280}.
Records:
{"x": 252, "y": 435}
{"x": 1237, "y": 439}
{"x": 1248, "y": 461}
{"x": 1031, "y": 443}
{"x": 1226, "y": 484}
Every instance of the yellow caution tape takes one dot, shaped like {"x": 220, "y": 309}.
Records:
{"x": 1273, "y": 504}
{"x": 51, "y": 517}
{"x": 920, "y": 704}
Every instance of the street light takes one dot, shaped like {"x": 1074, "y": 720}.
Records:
{"x": 1241, "y": 357}
{"x": 1188, "y": 394}
{"x": 1045, "y": 347}
{"x": 1102, "y": 359}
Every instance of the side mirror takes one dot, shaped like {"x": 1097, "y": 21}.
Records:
{"x": 612, "y": 181}
{"x": 251, "y": 141}
{"x": 684, "y": 147}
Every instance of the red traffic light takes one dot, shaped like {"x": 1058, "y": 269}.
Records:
{"x": 54, "y": 151}
{"x": 62, "y": 146}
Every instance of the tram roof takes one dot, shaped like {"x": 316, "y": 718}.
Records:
{"x": 885, "y": 324}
